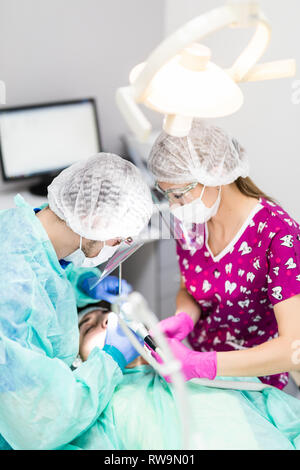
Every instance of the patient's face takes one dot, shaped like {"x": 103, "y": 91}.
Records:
{"x": 92, "y": 332}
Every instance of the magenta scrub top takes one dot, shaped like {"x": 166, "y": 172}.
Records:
{"x": 239, "y": 288}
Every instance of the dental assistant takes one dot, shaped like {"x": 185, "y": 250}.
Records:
{"x": 239, "y": 299}
{"x": 93, "y": 206}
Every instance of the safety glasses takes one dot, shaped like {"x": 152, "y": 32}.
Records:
{"x": 175, "y": 194}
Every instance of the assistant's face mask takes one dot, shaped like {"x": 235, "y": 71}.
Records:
{"x": 79, "y": 259}
{"x": 196, "y": 212}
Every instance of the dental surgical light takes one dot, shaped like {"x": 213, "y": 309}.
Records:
{"x": 180, "y": 81}
{"x": 209, "y": 90}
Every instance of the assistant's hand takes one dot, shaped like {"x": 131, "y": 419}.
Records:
{"x": 108, "y": 289}
{"x": 117, "y": 345}
{"x": 178, "y": 326}
{"x": 193, "y": 364}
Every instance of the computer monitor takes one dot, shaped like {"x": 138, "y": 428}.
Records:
{"x": 43, "y": 139}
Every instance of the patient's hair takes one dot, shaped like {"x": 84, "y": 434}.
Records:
{"x": 248, "y": 188}
{"x": 102, "y": 305}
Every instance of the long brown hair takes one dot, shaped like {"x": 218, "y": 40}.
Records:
{"x": 248, "y": 188}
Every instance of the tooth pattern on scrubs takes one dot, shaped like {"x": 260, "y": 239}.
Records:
{"x": 43, "y": 404}
{"x": 238, "y": 289}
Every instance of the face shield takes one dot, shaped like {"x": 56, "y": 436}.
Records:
{"x": 122, "y": 250}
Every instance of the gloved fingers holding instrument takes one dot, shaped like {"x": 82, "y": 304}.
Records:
{"x": 193, "y": 364}
{"x": 107, "y": 289}
{"x": 178, "y": 326}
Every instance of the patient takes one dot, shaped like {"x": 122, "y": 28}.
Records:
{"x": 92, "y": 322}
{"x": 142, "y": 413}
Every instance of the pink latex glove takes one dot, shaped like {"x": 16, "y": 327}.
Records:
{"x": 178, "y": 326}
{"x": 194, "y": 364}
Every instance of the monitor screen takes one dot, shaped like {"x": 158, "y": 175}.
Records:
{"x": 43, "y": 139}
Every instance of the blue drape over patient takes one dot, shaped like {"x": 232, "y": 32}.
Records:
{"x": 43, "y": 404}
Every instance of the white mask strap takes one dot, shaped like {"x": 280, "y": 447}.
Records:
{"x": 202, "y": 192}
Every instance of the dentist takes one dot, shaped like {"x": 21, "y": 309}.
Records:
{"x": 93, "y": 206}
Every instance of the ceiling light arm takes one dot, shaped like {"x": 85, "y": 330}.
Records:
{"x": 271, "y": 71}
{"x": 254, "y": 50}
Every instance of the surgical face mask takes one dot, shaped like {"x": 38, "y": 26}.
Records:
{"x": 196, "y": 212}
{"x": 105, "y": 254}
{"x": 79, "y": 259}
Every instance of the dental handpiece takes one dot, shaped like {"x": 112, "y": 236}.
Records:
{"x": 136, "y": 326}
{"x": 150, "y": 342}
{"x": 142, "y": 332}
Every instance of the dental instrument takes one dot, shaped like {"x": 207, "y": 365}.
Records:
{"x": 137, "y": 326}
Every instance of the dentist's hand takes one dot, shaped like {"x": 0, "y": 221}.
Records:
{"x": 117, "y": 345}
{"x": 178, "y": 326}
{"x": 193, "y": 364}
{"x": 108, "y": 289}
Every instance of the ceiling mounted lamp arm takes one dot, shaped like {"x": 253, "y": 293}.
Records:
{"x": 253, "y": 52}
{"x": 133, "y": 115}
{"x": 271, "y": 71}
{"x": 246, "y": 69}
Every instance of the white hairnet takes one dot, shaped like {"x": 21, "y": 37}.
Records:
{"x": 102, "y": 198}
{"x": 207, "y": 155}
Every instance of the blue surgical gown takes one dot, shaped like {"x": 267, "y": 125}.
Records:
{"x": 43, "y": 404}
